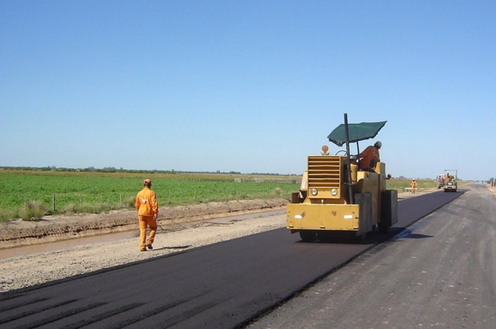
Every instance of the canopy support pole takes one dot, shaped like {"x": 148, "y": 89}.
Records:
{"x": 348, "y": 160}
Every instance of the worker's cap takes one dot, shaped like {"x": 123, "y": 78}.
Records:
{"x": 378, "y": 144}
{"x": 147, "y": 181}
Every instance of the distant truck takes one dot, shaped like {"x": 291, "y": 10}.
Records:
{"x": 450, "y": 184}
{"x": 440, "y": 181}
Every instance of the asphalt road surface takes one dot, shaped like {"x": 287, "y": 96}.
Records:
{"x": 440, "y": 273}
{"x": 225, "y": 285}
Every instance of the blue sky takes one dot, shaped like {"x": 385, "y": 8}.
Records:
{"x": 249, "y": 86}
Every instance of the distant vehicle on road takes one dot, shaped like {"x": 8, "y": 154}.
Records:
{"x": 450, "y": 186}
{"x": 440, "y": 181}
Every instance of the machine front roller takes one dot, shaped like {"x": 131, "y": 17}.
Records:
{"x": 308, "y": 235}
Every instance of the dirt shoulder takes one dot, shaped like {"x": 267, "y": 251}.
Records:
{"x": 54, "y": 228}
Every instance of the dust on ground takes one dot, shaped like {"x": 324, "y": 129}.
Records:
{"x": 181, "y": 228}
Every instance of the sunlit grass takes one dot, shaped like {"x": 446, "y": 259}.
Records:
{"x": 94, "y": 192}
{"x": 32, "y": 210}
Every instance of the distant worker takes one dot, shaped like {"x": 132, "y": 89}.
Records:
{"x": 147, "y": 207}
{"x": 368, "y": 159}
{"x": 413, "y": 185}
{"x": 440, "y": 181}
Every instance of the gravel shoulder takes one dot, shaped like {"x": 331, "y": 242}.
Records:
{"x": 175, "y": 235}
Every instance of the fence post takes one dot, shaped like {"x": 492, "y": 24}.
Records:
{"x": 53, "y": 203}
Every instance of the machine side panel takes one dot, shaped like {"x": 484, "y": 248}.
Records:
{"x": 368, "y": 182}
{"x": 365, "y": 222}
{"x": 389, "y": 214}
{"x": 332, "y": 217}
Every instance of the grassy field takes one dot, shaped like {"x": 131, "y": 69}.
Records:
{"x": 92, "y": 192}
{"x": 83, "y": 192}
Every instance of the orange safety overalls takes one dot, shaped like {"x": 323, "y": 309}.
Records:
{"x": 413, "y": 185}
{"x": 147, "y": 207}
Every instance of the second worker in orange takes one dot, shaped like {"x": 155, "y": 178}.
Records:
{"x": 147, "y": 207}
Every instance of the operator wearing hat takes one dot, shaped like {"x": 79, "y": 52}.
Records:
{"x": 369, "y": 157}
{"x": 147, "y": 207}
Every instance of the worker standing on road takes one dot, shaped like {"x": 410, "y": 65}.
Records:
{"x": 147, "y": 207}
{"x": 368, "y": 159}
{"x": 413, "y": 185}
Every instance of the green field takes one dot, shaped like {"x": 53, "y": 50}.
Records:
{"x": 93, "y": 192}
{"x": 82, "y": 192}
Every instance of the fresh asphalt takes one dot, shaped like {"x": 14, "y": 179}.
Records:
{"x": 224, "y": 285}
{"x": 438, "y": 273}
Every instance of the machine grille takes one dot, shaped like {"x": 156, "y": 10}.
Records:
{"x": 324, "y": 171}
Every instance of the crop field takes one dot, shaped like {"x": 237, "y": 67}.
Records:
{"x": 86, "y": 192}
{"x": 92, "y": 192}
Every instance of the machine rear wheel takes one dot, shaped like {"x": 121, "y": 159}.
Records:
{"x": 308, "y": 236}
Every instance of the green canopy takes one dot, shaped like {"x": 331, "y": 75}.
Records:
{"x": 357, "y": 132}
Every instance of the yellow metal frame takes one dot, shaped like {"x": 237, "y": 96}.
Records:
{"x": 332, "y": 217}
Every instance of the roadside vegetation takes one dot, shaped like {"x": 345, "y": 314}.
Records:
{"x": 27, "y": 193}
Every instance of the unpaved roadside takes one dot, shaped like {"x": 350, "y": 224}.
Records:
{"x": 177, "y": 235}
{"x": 61, "y": 227}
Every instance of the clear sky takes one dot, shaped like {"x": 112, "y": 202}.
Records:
{"x": 249, "y": 86}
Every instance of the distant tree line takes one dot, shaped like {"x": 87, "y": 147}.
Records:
{"x": 138, "y": 171}
{"x": 418, "y": 178}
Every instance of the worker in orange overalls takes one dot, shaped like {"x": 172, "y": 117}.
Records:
{"x": 147, "y": 207}
{"x": 368, "y": 159}
{"x": 413, "y": 185}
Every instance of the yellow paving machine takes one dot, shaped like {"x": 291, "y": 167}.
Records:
{"x": 336, "y": 196}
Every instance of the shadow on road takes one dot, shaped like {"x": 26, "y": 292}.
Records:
{"x": 417, "y": 236}
{"x": 175, "y": 247}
